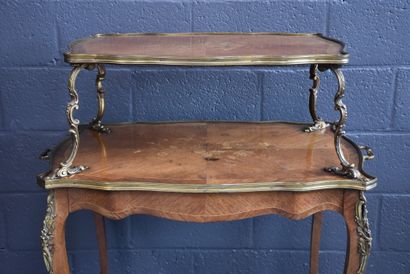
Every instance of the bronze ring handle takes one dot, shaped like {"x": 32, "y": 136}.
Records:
{"x": 369, "y": 153}
{"x": 45, "y": 155}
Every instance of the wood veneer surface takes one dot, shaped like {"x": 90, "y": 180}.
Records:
{"x": 205, "y": 207}
{"x": 198, "y": 45}
{"x": 207, "y": 153}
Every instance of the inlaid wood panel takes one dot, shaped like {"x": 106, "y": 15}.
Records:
{"x": 204, "y": 207}
{"x": 207, "y": 48}
{"x": 197, "y": 157}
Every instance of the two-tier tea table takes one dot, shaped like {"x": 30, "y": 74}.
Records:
{"x": 205, "y": 171}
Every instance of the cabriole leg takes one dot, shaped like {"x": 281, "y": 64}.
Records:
{"x": 66, "y": 167}
{"x": 318, "y": 123}
{"x": 96, "y": 123}
{"x": 315, "y": 242}
{"x": 363, "y": 231}
{"x": 53, "y": 233}
{"x": 102, "y": 242}
{"x": 346, "y": 169}
{"x": 358, "y": 232}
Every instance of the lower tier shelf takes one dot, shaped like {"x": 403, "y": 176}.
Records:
{"x": 207, "y": 157}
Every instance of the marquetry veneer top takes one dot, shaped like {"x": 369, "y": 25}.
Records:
{"x": 208, "y": 157}
{"x": 208, "y": 49}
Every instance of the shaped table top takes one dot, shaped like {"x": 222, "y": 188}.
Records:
{"x": 208, "y": 49}
{"x": 206, "y": 157}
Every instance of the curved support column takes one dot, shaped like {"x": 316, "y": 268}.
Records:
{"x": 96, "y": 123}
{"x": 347, "y": 169}
{"x": 318, "y": 123}
{"x": 66, "y": 167}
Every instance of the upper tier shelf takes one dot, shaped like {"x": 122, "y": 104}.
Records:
{"x": 208, "y": 49}
{"x": 206, "y": 157}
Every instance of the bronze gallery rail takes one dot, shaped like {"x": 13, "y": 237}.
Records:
{"x": 87, "y": 179}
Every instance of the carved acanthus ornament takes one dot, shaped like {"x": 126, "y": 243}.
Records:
{"x": 47, "y": 233}
{"x": 363, "y": 231}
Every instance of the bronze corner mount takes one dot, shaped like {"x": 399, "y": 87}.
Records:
{"x": 47, "y": 233}
{"x": 363, "y": 231}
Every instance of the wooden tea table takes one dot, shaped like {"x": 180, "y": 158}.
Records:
{"x": 207, "y": 171}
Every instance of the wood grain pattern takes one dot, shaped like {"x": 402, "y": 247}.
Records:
{"x": 207, "y": 208}
{"x": 207, "y": 45}
{"x": 102, "y": 242}
{"x": 315, "y": 242}
{"x": 193, "y": 154}
{"x": 352, "y": 251}
{"x": 60, "y": 259}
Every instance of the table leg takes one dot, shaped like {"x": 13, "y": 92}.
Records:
{"x": 315, "y": 242}
{"x": 53, "y": 233}
{"x": 102, "y": 242}
{"x": 358, "y": 232}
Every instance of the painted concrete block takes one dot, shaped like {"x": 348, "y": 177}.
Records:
{"x": 376, "y": 32}
{"x": 196, "y": 94}
{"x": 80, "y": 19}
{"x": 395, "y": 222}
{"x": 368, "y": 97}
{"x": 153, "y": 232}
{"x": 28, "y": 32}
{"x": 271, "y": 16}
{"x": 20, "y": 159}
{"x": 402, "y": 102}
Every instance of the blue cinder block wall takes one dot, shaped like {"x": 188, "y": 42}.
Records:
{"x": 33, "y": 95}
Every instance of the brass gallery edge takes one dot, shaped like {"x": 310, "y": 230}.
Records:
{"x": 50, "y": 183}
{"x": 336, "y": 59}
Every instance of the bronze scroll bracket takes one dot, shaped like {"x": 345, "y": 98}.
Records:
{"x": 346, "y": 169}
